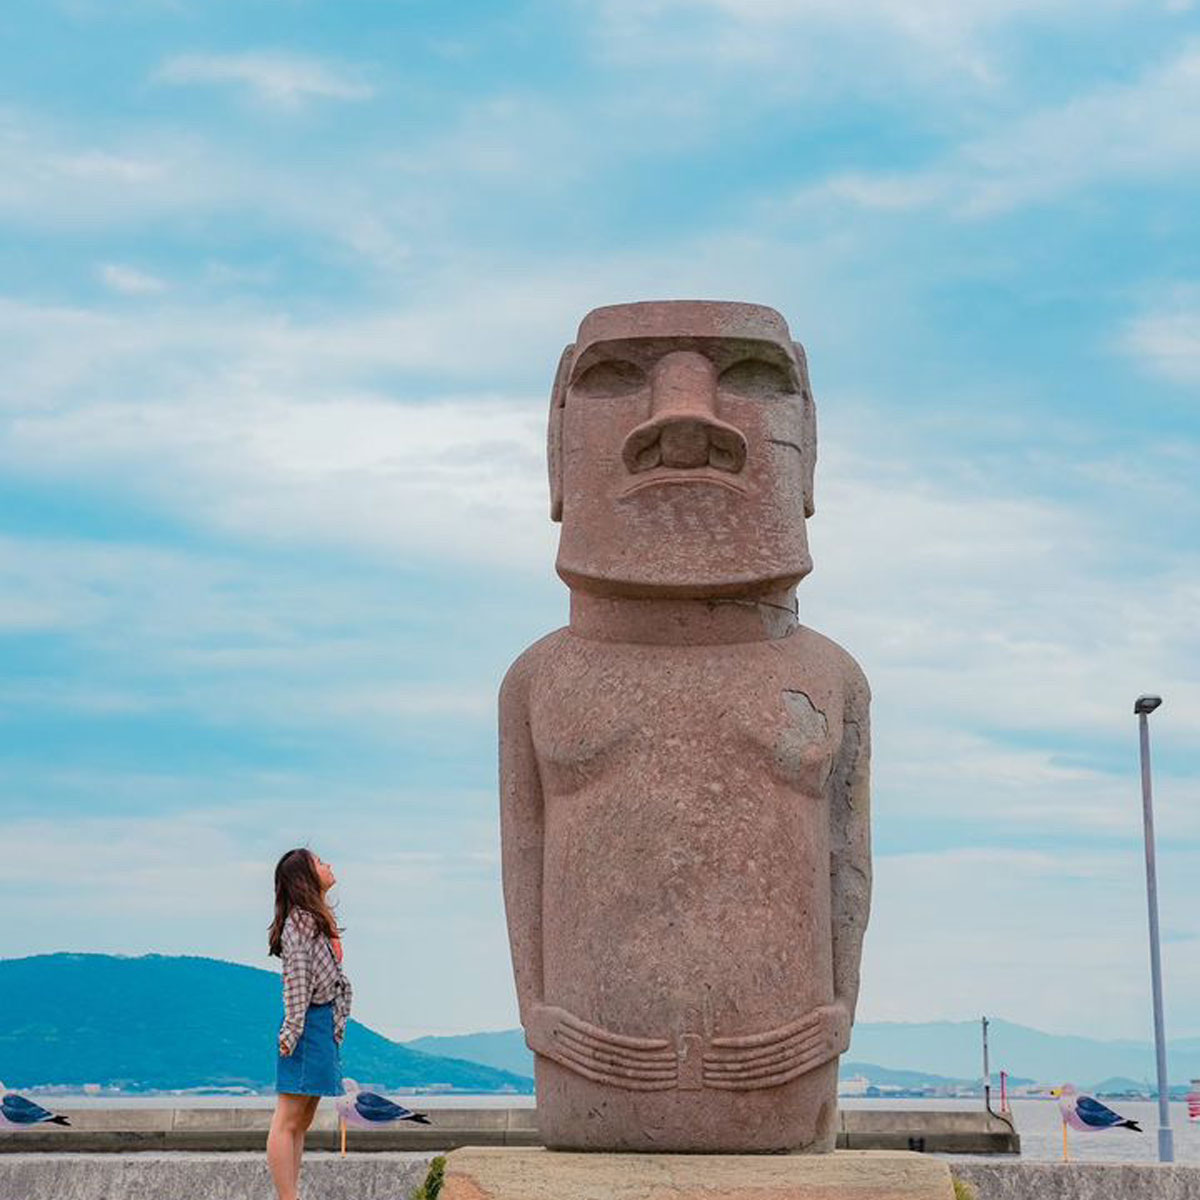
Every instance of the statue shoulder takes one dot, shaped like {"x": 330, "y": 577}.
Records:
{"x": 531, "y": 663}
{"x": 824, "y": 654}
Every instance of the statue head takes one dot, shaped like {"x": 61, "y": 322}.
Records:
{"x": 682, "y": 448}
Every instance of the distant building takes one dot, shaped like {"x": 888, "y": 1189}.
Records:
{"x": 856, "y": 1085}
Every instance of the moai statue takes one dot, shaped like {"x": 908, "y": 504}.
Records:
{"x": 684, "y": 768}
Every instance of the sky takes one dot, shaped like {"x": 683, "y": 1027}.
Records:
{"x": 284, "y": 286}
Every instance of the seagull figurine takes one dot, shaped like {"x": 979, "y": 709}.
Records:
{"x": 18, "y": 1113}
{"x": 369, "y": 1110}
{"x": 1087, "y": 1114}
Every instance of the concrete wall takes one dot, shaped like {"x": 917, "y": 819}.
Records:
{"x": 204, "y": 1177}
{"x": 125, "y": 1130}
{"x": 392, "y": 1176}
{"x": 129, "y": 1130}
{"x": 953, "y": 1131}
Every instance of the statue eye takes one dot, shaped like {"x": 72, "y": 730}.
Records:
{"x": 755, "y": 378}
{"x": 614, "y": 377}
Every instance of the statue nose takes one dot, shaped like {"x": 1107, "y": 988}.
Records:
{"x": 684, "y": 432}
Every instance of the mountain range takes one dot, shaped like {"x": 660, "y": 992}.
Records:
{"x": 160, "y": 1023}
{"x": 157, "y": 1023}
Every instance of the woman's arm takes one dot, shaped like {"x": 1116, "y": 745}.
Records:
{"x": 341, "y": 1010}
{"x": 297, "y": 986}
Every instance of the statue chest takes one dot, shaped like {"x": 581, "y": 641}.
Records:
{"x": 707, "y": 725}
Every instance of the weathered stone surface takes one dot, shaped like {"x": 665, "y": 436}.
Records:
{"x": 684, "y": 769}
{"x": 1079, "y": 1181}
{"x": 548, "y": 1175}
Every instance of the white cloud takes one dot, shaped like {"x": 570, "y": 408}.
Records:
{"x": 452, "y": 478}
{"x": 817, "y": 42}
{"x": 221, "y": 637}
{"x": 1022, "y": 934}
{"x": 989, "y": 571}
{"x": 917, "y": 16}
{"x": 1136, "y": 132}
{"x": 199, "y": 882}
{"x": 51, "y": 178}
{"x": 98, "y": 166}
{"x": 1167, "y": 342}
{"x": 281, "y": 80}
{"x": 129, "y": 281}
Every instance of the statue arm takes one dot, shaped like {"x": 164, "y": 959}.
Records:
{"x": 633, "y": 1063}
{"x": 521, "y": 839}
{"x": 850, "y": 841}
{"x": 780, "y": 1055}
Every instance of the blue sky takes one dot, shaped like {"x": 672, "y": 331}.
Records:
{"x": 284, "y": 287}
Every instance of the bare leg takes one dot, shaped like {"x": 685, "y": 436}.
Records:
{"x": 286, "y": 1141}
{"x": 310, "y": 1111}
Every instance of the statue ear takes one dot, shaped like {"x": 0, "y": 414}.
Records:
{"x": 808, "y": 431}
{"x": 558, "y": 399}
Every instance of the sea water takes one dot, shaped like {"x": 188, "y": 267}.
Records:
{"x": 1037, "y": 1121}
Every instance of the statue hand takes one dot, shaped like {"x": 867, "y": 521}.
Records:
{"x": 633, "y": 1063}
{"x": 780, "y": 1055}
{"x": 540, "y": 1024}
{"x": 834, "y": 1021}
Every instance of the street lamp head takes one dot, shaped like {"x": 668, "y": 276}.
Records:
{"x": 1146, "y": 704}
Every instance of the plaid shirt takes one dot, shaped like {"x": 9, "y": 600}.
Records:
{"x": 311, "y": 975}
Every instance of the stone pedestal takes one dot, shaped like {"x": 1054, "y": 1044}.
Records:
{"x": 518, "y": 1174}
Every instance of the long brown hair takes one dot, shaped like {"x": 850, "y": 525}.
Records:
{"x": 297, "y": 886}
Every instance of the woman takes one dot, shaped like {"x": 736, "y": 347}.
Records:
{"x": 316, "y": 1003}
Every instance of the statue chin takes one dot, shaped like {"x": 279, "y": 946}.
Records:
{"x": 644, "y": 581}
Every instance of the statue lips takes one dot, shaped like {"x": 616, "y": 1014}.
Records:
{"x": 667, "y": 476}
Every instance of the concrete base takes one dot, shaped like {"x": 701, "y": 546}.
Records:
{"x": 502, "y": 1174}
{"x": 204, "y": 1177}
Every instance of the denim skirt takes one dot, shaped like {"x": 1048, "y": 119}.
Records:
{"x": 314, "y": 1067}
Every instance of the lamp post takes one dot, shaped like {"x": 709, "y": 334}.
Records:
{"x": 1143, "y": 707}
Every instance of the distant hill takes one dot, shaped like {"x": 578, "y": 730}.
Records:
{"x": 158, "y": 1022}
{"x": 914, "y": 1080}
{"x": 953, "y": 1048}
{"x": 505, "y": 1049}
{"x": 1118, "y": 1085}
{"x": 945, "y": 1051}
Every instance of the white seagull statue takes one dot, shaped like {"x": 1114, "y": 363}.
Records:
{"x": 369, "y": 1110}
{"x": 18, "y": 1113}
{"x": 1086, "y": 1113}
